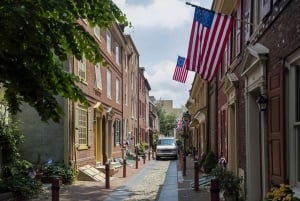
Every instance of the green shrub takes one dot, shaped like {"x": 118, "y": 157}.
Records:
{"x": 23, "y": 186}
{"x": 68, "y": 175}
{"x": 230, "y": 183}
{"x": 208, "y": 161}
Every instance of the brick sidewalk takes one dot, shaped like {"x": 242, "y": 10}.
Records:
{"x": 185, "y": 190}
{"x": 93, "y": 190}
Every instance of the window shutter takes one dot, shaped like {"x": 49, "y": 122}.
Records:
{"x": 219, "y": 134}
{"x": 247, "y": 20}
{"x": 90, "y": 126}
{"x": 76, "y": 126}
{"x": 265, "y": 8}
{"x": 238, "y": 30}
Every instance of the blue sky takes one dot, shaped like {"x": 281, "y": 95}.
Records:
{"x": 161, "y": 30}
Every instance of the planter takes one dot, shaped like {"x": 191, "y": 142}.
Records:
{"x": 230, "y": 197}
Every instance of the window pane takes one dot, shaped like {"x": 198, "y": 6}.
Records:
{"x": 117, "y": 91}
{"x": 82, "y": 68}
{"x": 108, "y": 42}
{"x": 98, "y": 80}
{"x": 82, "y": 125}
{"x": 108, "y": 89}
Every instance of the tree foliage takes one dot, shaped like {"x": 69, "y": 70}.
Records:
{"x": 36, "y": 37}
{"x": 167, "y": 122}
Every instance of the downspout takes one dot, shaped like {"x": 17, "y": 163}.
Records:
{"x": 207, "y": 117}
{"x": 216, "y": 114}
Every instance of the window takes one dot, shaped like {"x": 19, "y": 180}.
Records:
{"x": 108, "y": 42}
{"x": 82, "y": 68}
{"x": 97, "y": 32}
{"x": 132, "y": 80}
{"x": 98, "y": 79}
{"x": 82, "y": 118}
{"x": 108, "y": 84}
{"x": 126, "y": 62}
{"x": 117, "y": 91}
{"x": 126, "y": 94}
{"x": 117, "y": 54}
{"x": 117, "y": 132}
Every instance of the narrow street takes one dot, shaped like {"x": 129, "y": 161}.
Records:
{"x": 149, "y": 183}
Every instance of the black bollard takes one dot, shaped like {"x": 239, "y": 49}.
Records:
{"x": 184, "y": 165}
{"x": 136, "y": 158}
{"x": 215, "y": 190}
{"x": 56, "y": 182}
{"x": 107, "y": 181}
{"x": 196, "y": 176}
{"x": 124, "y": 168}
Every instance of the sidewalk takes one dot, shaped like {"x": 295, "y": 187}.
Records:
{"x": 94, "y": 190}
{"x": 175, "y": 188}
{"x": 186, "y": 191}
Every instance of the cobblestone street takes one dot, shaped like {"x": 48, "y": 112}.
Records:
{"x": 149, "y": 186}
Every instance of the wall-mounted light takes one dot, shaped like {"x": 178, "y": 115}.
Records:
{"x": 186, "y": 117}
{"x": 262, "y": 102}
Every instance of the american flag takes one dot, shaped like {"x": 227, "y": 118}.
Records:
{"x": 179, "y": 125}
{"x": 180, "y": 72}
{"x": 208, "y": 38}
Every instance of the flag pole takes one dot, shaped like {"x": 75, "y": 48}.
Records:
{"x": 196, "y": 6}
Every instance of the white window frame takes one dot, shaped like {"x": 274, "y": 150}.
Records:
{"x": 117, "y": 130}
{"x": 108, "y": 42}
{"x": 81, "y": 68}
{"x": 117, "y": 54}
{"x": 292, "y": 62}
{"x": 117, "y": 90}
{"x": 82, "y": 118}
{"x": 97, "y": 32}
{"x": 98, "y": 78}
{"x": 108, "y": 83}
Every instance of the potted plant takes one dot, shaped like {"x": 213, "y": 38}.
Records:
{"x": 208, "y": 161}
{"x": 283, "y": 192}
{"x": 230, "y": 183}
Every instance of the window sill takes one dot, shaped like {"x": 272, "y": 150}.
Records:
{"x": 98, "y": 90}
{"x": 82, "y": 147}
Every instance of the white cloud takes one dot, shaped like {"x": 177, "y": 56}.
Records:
{"x": 159, "y": 13}
{"x": 161, "y": 33}
{"x": 164, "y": 87}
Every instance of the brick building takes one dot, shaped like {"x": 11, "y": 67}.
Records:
{"x": 259, "y": 69}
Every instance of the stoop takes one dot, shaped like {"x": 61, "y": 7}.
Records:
{"x": 89, "y": 173}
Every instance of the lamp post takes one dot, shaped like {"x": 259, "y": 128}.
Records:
{"x": 186, "y": 118}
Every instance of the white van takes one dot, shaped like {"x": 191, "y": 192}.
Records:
{"x": 166, "y": 148}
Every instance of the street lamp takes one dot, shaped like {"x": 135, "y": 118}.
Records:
{"x": 262, "y": 101}
{"x": 186, "y": 117}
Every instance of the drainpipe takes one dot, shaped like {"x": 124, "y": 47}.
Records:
{"x": 207, "y": 117}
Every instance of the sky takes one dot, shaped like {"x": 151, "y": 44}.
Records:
{"x": 161, "y": 31}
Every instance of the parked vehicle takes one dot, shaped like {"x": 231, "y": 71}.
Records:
{"x": 166, "y": 148}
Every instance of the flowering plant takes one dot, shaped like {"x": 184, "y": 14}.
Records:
{"x": 282, "y": 193}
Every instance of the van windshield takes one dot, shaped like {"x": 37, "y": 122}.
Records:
{"x": 166, "y": 142}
